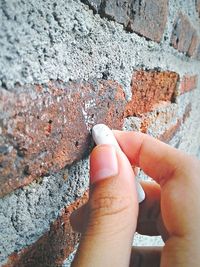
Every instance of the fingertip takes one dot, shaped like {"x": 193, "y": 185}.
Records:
{"x": 155, "y": 158}
{"x": 130, "y": 143}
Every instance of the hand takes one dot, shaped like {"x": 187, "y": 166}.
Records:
{"x": 171, "y": 208}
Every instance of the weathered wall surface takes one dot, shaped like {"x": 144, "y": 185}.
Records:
{"x": 64, "y": 66}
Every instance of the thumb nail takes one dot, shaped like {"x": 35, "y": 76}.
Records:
{"x": 103, "y": 163}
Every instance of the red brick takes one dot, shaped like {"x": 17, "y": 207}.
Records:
{"x": 198, "y": 6}
{"x": 46, "y": 127}
{"x": 150, "y": 89}
{"x": 184, "y": 37}
{"x": 193, "y": 49}
{"x": 147, "y": 18}
{"x": 156, "y": 122}
{"x": 188, "y": 83}
{"x": 187, "y": 112}
{"x": 170, "y": 132}
{"x": 164, "y": 123}
{"x": 54, "y": 246}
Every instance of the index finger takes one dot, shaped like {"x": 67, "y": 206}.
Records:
{"x": 177, "y": 174}
{"x": 155, "y": 158}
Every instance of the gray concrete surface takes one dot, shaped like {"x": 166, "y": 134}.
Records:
{"x": 42, "y": 40}
{"x": 26, "y": 213}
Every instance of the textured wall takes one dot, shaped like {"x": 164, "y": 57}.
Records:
{"x": 64, "y": 66}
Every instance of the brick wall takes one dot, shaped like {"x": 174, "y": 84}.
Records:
{"x": 65, "y": 66}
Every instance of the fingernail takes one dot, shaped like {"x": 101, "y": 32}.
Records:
{"x": 103, "y": 163}
{"x": 140, "y": 192}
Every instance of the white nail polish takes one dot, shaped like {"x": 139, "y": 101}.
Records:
{"x": 103, "y": 135}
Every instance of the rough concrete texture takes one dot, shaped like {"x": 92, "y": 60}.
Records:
{"x": 43, "y": 40}
{"x": 64, "y": 40}
{"x": 54, "y": 246}
{"x": 26, "y": 214}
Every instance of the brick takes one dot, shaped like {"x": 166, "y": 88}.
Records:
{"x": 150, "y": 89}
{"x": 54, "y": 246}
{"x": 192, "y": 51}
{"x": 46, "y": 127}
{"x": 171, "y": 131}
{"x": 197, "y": 52}
{"x": 163, "y": 123}
{"x": 113, "y": 10}
{"x": 188, "y": 83}
{"x": 158, "y": 121}
{"x": 198, "y": 6}
{"x": 187, "y": 112}
{"x": 147, "y": 18}
{"x": 184, "y": 37}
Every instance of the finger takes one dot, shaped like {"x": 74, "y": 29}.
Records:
{"x": 149, "y": 222}
{"x": 173, "y": 170}
{"x": 149, "y": 211}
{"x": 149, "y": 219}
{"x": 145, "y": 256}
{"x": 113, "y": 210}
{"x": 156, "y": 158}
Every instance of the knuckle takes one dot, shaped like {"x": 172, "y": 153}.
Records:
{"x": 108, "y": 204}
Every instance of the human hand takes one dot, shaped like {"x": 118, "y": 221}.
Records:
{"x": 171, "y": 208}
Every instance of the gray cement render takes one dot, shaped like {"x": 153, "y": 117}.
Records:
{"x": 42, "y": 40}
{"x": 26, "y": 213}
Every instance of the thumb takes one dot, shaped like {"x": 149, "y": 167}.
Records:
{"x": 112, "y": 211}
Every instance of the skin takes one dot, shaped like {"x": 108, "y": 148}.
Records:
{"x": 112, "y": 215}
